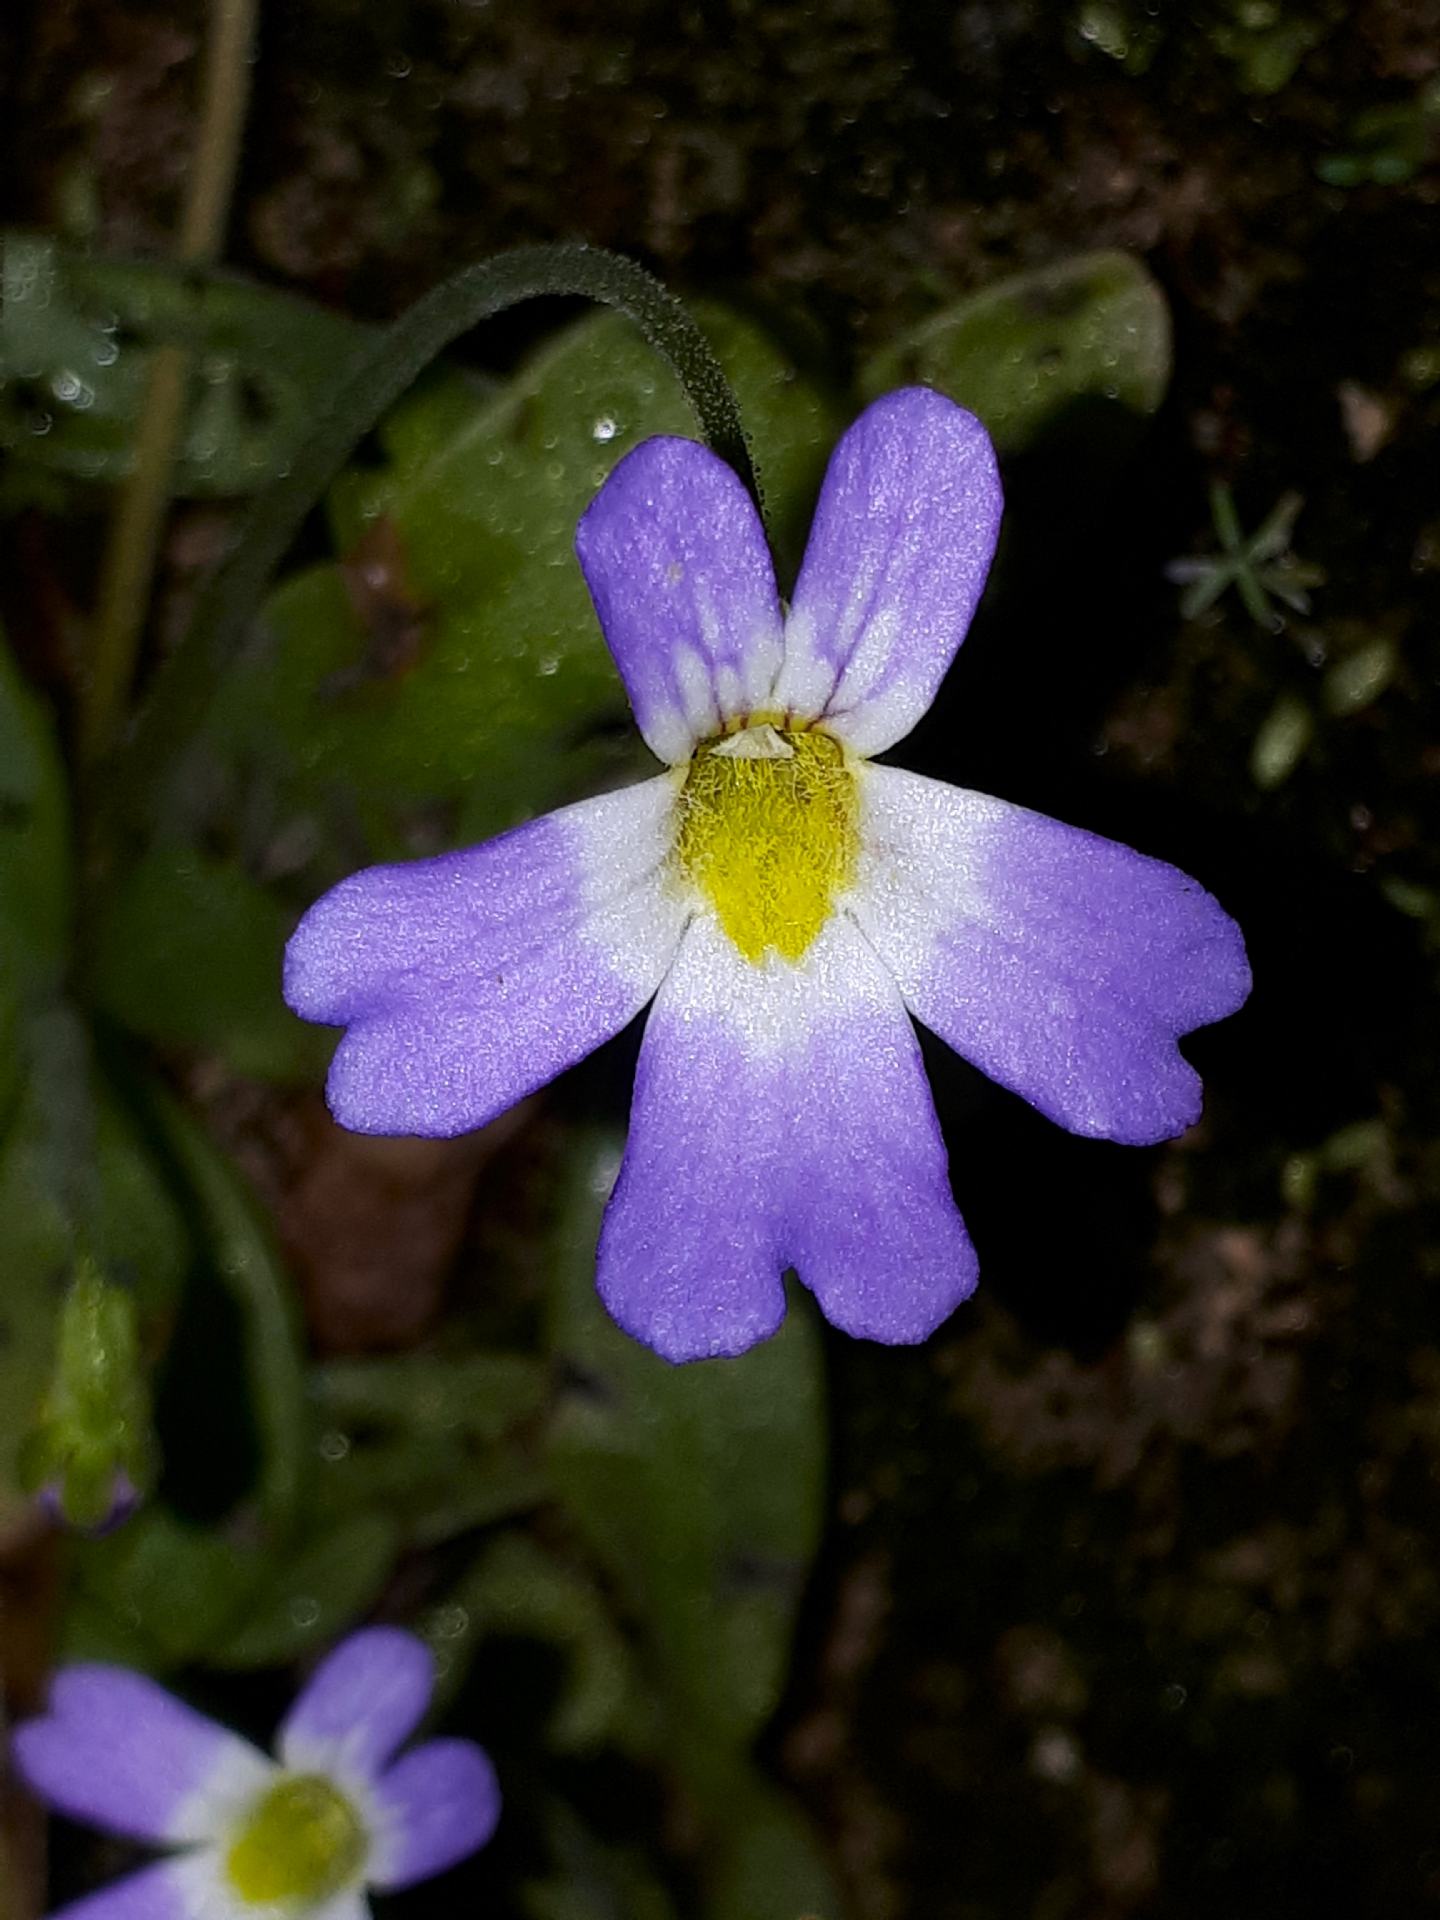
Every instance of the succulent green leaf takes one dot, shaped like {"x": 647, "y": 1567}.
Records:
{"x": 515, "y": 1589}
{"x": 1066, "y": 351}
{"x": 188, "y": 954}
{"x": 315, "y": 1595}
{"x": 172, "y": 1587}
{"x": 448, "y": 678}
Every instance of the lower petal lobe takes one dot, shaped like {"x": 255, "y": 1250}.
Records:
{"x": 469, "y": 980}
{"x": 781, "y": 1118}
{"x": 1063, "y": 965}
{"x": 116, "y": 1750}
{"x": 161, "y": 1892}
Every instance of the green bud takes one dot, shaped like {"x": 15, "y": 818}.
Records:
{"x": 89, "y": 1456}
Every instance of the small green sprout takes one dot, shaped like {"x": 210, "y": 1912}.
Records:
{"x": 89, "y": 1456}
{"x": 1259, "y": 566}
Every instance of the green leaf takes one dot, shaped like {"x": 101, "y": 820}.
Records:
{"x": 188, "y": 954}
{"x": 76, "y": 338}
{"x": 470, "y": 688}
{"x": 250, "y": 1268}
{"x": 698, "y": 1489}
{"x": 1067, "y": 350}
{"x": 314, "y": 1596}
{"x": 428, "y": 1439}
{"x": 769, "y": 1864}
{"x": 517, "y": 1590}
{"x": 593, "y": 1881}
{"x": 176, "y": 1588}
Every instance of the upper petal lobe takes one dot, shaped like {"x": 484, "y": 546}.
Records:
{"x": 1063, "y": 965}
{"x": 675, "y": 558}
{"x": 117, "y": 1750}
{"x": 781, "y": 1118}
{"x": 437, "y": 1805}
{"x": 469, "y": 980}
{"x": 360, "y": 1703}
{"x": 897, "y": 559}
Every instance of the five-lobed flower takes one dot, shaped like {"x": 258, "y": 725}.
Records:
{"x": 788, "y": 904}
{"x": 298, "y": 1838}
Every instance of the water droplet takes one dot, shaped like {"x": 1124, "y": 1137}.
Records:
{"x": 71, "y": 390}
{"x": 399, "y": 66}
{"x": 604, "y": 428}
{"x": 334, "y": 1445}
{"x": 304, "y": 1610}
{"x": 451, "y": 1622}
{"x": 40, "y": 424}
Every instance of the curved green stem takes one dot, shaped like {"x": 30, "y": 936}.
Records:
{"x": 360, "y": 399}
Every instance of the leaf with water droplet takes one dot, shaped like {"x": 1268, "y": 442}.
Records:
{"x": 311, "y": 1598}
{"x": 1072, "y": 354}
{"x": 77, "y": 335}
{"x": 468, "y": 687}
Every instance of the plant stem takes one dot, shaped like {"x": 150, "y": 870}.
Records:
{"x": 128, "y": 567}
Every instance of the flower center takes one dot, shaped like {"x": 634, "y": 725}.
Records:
{"x": 767, "y": 832}
{"x": 301, "y": 1842}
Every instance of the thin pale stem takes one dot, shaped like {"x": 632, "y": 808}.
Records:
{"x": 128, "y": 567}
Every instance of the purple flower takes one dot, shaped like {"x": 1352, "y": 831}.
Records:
{"x": 301, "y": 1838}
{"x": 787, "y": 904}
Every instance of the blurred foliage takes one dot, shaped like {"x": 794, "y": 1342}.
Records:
{"x": 1077, "y": 350}
{"x": 76, "y": 339}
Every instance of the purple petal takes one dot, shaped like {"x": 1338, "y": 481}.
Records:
{"x": 160, "y": 1892}
{"x": 781, "y": 1118}
{"x": 437, "y": 1805}
{"x": 118, "y": 1751}
{"x": 675, "y": 558}
{"x": 1062, "y": 965}
{"x": 469, "y": 980}
{"x": 360, "y": 1703}
{"x": 898, "y": 555}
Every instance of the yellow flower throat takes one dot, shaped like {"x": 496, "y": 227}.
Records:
{"x": 301, "y": 1843}
{"x": 767, "y": 831}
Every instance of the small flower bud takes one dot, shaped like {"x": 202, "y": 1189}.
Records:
{"x": 87, "y": 1459}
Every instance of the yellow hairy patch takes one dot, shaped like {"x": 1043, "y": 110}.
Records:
{"x": 767, "y": 832}
{"x": 301, "y": 1843}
